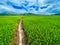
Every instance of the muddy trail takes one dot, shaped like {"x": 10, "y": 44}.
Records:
{"x": 20, "y": 35}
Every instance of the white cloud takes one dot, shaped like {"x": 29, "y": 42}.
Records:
{"x": 53, "y": 5}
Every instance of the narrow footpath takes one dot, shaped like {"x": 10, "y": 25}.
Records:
{"x": 20, "y": 37}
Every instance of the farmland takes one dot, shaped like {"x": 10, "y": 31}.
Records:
{"x": 7, "y": 29}
{"x": 42, "y": 30}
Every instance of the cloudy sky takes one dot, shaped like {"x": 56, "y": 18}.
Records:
{"x": 30, "y": 6}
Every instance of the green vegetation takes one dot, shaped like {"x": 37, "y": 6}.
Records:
{"x": 7, "y": 29}
{"x": 42, "y": 30}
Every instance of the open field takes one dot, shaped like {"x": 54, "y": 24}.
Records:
{"x": 7, "y": 29}
{"x": 42, "y": 30}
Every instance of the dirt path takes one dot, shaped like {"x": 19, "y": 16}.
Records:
{"x": 20, "y": 37}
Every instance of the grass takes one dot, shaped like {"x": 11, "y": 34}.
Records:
{"x": 42, "y": 30}
{"x": 7, "y": 29}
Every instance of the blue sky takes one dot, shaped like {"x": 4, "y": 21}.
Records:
{"x": 30, "y": 6}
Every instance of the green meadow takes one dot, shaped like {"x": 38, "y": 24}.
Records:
{"x": 7, "y": 29}
{"x": 40, "y": 30}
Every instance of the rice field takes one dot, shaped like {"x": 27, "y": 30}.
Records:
{"x": 7, "y": 29}
{"x": 42, "y": 30}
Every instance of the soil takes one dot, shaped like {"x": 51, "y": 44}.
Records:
{"x": 20, "y": 37}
